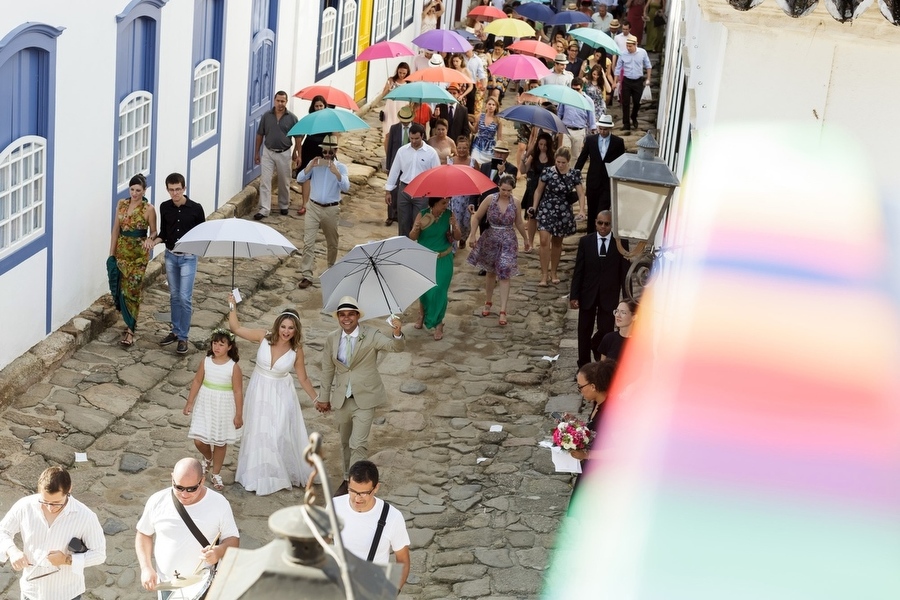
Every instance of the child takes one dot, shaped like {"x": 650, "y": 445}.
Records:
{"x": 218, "y": 392}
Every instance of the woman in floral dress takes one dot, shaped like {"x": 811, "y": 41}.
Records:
{"x": 489, "y": 131}
{"x": 553, "y": 211}
{"x": 134, "y": 216}
{"x": 497, "y": 250}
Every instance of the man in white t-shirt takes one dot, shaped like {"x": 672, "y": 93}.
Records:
{"x": 175, "y": 548}
{"x": 360, "y": 511}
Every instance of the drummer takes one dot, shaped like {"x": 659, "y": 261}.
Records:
{"x": 168, "y": 515}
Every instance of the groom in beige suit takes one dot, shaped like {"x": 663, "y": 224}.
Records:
{"x": 349, "y": 369}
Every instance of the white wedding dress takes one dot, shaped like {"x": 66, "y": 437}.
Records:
{"x": 271, "y": 456}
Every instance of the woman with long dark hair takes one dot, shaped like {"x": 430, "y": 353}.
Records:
{"x": 310, "y": 149}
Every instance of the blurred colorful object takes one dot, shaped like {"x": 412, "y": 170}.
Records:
{"x": 750, "y": 449}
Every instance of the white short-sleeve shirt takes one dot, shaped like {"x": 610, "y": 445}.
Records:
{"x": 359, "y": 530}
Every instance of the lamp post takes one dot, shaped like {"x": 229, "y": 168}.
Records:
{"x": 301, "y": 564}
{"x": 642, "y": 186}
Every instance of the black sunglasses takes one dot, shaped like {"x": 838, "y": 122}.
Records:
{"x": 187, "y": 489}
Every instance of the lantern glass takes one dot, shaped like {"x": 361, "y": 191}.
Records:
{"x": 637, "y": 209}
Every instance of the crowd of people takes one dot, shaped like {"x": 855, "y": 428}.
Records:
{"x": 267, "y": 419}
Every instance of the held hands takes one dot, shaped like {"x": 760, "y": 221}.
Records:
{"x": 323, "y": 407}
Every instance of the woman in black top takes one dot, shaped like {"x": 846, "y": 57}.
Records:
{"x": 594, "y": 380}
{"x": 613, "y": 343}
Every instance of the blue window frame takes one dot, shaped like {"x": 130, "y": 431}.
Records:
{"x": 396, "y": 17}
{"x": 137, "y": 74}
{"x": 206, "y": 96}
{"x": 27, "y": 110}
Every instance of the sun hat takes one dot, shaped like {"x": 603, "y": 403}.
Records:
{"x": 348, "y": 303}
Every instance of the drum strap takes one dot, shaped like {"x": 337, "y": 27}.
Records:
{"x": 183, "y": 513}
{"x": 382, "y": 521}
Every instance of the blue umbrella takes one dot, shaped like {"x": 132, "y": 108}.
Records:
{"x": 328, "y": 120}
{"x": 561, "y": 95}
{"x": 534, "y": 115}
{"x": 467, "y": 35}
{"x": 595, "y": 39}
{"x": 535, "y": 11}
{"x": 419, "y": 91}
{"x": 569, "y": 17}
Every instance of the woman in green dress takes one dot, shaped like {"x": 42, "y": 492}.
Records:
{"x": 436, "y": 228}
{"x": 134, "y": 216}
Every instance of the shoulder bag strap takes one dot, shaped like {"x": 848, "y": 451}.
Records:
{"x": 182, "y": 512}
{"x": 382, "y": 521}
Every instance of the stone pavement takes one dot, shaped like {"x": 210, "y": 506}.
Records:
{"x": 482, "y": 507}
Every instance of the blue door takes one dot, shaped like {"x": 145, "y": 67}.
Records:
{"x": 261, "y": 82}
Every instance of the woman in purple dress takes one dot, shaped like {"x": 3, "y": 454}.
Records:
{"x": 497, "y": 250}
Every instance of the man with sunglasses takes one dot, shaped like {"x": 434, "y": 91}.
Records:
{"x": 48, "y": 522}
{"x": 329, "y": 179}
{"x": 597, "y": 283}
{"x": 163, "y": 534}
{"x": 361, "y": 511}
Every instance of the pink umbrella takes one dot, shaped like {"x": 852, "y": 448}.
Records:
{"x": 519, "y": 66}
{"x": 533, "y": 48}
{"x": 442, "y": 40}
{"x": 386, "y": 49}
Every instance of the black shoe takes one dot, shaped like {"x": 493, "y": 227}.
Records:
{"x": 635, "y": 125}
{"x": 169, "y": 339}
{"x": 283, "y": 211}
{"x": 259, "y": 216}
{"x": 304, "y": 283}
{"x": 388, "y": 222}
{"x": 482, "y": 273}
{"x": 182, "y": 347}
{"x": 342, "y": 489}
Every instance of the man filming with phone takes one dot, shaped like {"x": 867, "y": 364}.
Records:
{"x": 329, "y": 179}
{"x": 60, "y": 537}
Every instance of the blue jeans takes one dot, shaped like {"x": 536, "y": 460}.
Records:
{"x": 180, "y": 272}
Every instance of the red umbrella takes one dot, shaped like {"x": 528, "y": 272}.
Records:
{"x": 331, "y": 94}
{"x": 519, "y": 66}
{"x": 449, "y": 180}
{"x": 488, "y": 12}
{"x": 440, "y": 75}
{"x": 386, "y": 49}
{"x": 534, "y": 48}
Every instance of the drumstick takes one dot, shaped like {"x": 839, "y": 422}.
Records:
{"x": 203, "y": 560}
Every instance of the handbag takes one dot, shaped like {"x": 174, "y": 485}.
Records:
{"x": 659, "y": 19}
{"x": 381, "y": 116}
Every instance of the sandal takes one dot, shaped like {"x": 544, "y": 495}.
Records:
{"x": 206, "y": 464}
{"x": 127, "y": 339}
{"x": 217, "y": 482}
{"x": 502, "y": 320}
{"x": 487, "y": 309}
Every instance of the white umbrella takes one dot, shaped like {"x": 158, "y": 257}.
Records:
{"x": 384, "y": 276}
{"x": 234, "y": 238}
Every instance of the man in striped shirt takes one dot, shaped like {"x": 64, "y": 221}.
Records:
{"x": 48, "y": 522}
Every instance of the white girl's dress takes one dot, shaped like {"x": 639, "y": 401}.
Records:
{"x": 212, "y": 420}
{"x": 271, "y": 456}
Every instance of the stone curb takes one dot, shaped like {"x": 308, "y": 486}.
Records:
{"x": 32, "y": 366}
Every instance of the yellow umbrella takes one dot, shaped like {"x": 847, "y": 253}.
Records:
{"x": 509, "y": 28}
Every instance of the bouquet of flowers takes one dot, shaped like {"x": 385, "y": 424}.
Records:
{"x": 571, "y": 433}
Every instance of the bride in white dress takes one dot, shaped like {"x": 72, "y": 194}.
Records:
{"x": 271, "y": 456}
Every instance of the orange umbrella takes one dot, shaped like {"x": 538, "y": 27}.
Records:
{"x": 332, "y": 95}
{"x": 487, "y": 12}
{"x": 534, "y": 48}
{"x": 440, "y": 75}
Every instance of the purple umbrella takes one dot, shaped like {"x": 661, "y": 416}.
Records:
{"x": 569, "y": 17}
{"x": 442, "y": 40}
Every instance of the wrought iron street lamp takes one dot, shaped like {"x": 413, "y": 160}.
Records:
{"x": 642, "y": 186}
{"x": 301, "y": 563}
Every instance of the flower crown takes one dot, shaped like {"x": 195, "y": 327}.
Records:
{"x": 225, "y": 332}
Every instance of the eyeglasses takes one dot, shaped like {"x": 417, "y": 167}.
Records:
{"x": 327, "y": 152}
{"x": 603, "y": 223}
{"x": 361, "y": 494}
{"x": 187, "y": 489}
{"x": 581, "y": 387}
{"x": 621, "y": 312}
{"x": 52, "y": 505}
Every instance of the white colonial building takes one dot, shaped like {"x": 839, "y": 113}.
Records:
{"x": 92, "y": 93}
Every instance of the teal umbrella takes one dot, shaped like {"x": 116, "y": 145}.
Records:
{"x": 595, "y": 39}
{"x": 562, "y": 95}
{"x": 420, "y": 91}
{"x": 328, "y": 120}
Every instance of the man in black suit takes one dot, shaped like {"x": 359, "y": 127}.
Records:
{"x": 602, "y": 149}
{"x": 493, "y": 170}
{"x": 398, "y": 135}
{"x": 597, "y": 283}
{"x": 456, "y": 115}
